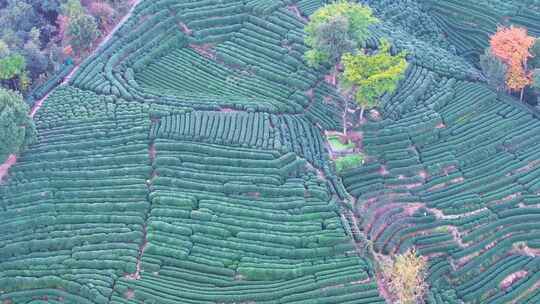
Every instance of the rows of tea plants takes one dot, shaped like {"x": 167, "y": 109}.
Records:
{"x": 186, "y": 163}
{"x": 234, "y": 128}
{"x": 468, "y": 24}
{"x": 216, "y": 232}
{"x": 464, "y": 193}
{"x": 186, "y": 74}
{"x": 206, "y": 55}
{"x": 72, "y": 211}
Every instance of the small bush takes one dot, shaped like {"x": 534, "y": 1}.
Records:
{"x": 348, "y": 162}
{"x": 405, "y": 277}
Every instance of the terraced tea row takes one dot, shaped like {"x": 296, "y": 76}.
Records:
{"x": 465, "y": 194}
{"x": 207, "y": 55}
{"x": 186, "y": 163}
{"x": 74, "y": 207}
{"x": 468, "y": 25}
{"x": 236, "y": 224}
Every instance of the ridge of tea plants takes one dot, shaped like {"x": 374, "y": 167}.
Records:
{"x": 282, "y": 151}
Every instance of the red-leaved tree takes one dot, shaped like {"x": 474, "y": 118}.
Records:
{"x": 511, "y": 45}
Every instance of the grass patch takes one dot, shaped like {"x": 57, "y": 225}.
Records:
{"x": 349, "y": 161}
{"x": 336, "y": 144}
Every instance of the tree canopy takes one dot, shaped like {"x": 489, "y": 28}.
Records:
{"x": 371, "y": 76}
{"x": 17, "y": 128}
{"x": 335, "y": 29}
{"x": 512, "y": 46}
{"x": 535, "y": 52}
{"x": 494, "y": 69}
{"x": 81, "y": 28}
{"x": 536, "y": 79}
{"x": 13, "y": 69}
{"x": 41, "y": 30}
{"x": 12, "y": 66}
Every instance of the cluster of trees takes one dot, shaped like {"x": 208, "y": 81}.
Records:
{"x": 37, "y": 36}
{"x": 335, "y": 35}
{"x": 512, "y": 63}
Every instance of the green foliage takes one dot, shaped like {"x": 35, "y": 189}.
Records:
{"x": 28, "y": 28}
{"x": 82, "y": 30}
{"x": 4, "y": 49}
{"x": 18, "y": 15}
{"x": 336, "y": 144}
{"x": 335, "y": 29}
{"x": 536, "y": 79}
{"x": 72, "y": 8}
{"x": 18, "y": 130}
{"x": 331, "y": 41}
{"x": 494, "y": 69}
{"x": 372, "y": 76}
{"x": 12, "y": 66}
{"x": 534, "y": 62}
{"x": 348, "y": 162}
{"x": 13, "y": 72}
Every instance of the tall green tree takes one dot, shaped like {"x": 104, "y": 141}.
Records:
{"x": 371, "y": 76}
{"x": 534, "y": 62}
{"x": 494, "y": 70}
{"x": 82, "y": 31}
{"x": 72, "y": 9}
{"x": 17, "y": 129}
{"x": 13, "y": 72}
{"x": 536, "y": 83}
{"x": 334, "y": 30}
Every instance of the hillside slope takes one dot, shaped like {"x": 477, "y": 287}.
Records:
{"x": 185, "y": 162}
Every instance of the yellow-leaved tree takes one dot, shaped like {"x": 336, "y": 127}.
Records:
{"x": 405, "y": 277}
{"x": 369, "y": 77}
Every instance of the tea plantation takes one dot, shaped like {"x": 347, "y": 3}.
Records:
{"x": 186, "y": 162}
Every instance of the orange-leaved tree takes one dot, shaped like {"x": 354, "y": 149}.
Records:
{"x": 511, "y": 45}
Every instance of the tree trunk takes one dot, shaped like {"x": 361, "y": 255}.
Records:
{"x": 345, "y": 117}
{"x": 521, "y": 95}
{"x": 334, "y": 75}
{"x": 361, "y": 114}
{"x": 14, "y": 85}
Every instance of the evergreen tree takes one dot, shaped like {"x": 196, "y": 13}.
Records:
{"x": 535, "y": 52}
{"x": 494, "y": 70}
{"x": 17, "y": 129}
{"x": 13, "y": 72}
{"x": 336, "y": 29}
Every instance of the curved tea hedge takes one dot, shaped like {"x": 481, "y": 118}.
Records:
{"x": 186, "y": 162}
{"x": 73, "y": 207}
{"x": 215, "y": 232}
{"x": 468, "y": 25}
{"x": 463, "y": 190}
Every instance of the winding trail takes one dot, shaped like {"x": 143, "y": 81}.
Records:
{"x": 12, "y": 159}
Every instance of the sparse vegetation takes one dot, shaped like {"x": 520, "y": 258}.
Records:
{"x": 405, "y": 275}
{"x": 337, "y": 144}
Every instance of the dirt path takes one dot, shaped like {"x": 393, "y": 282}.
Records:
{"x": 12, "y": 159}
{"x": 296, "y": 11}
{"x": 4, "y": 168}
